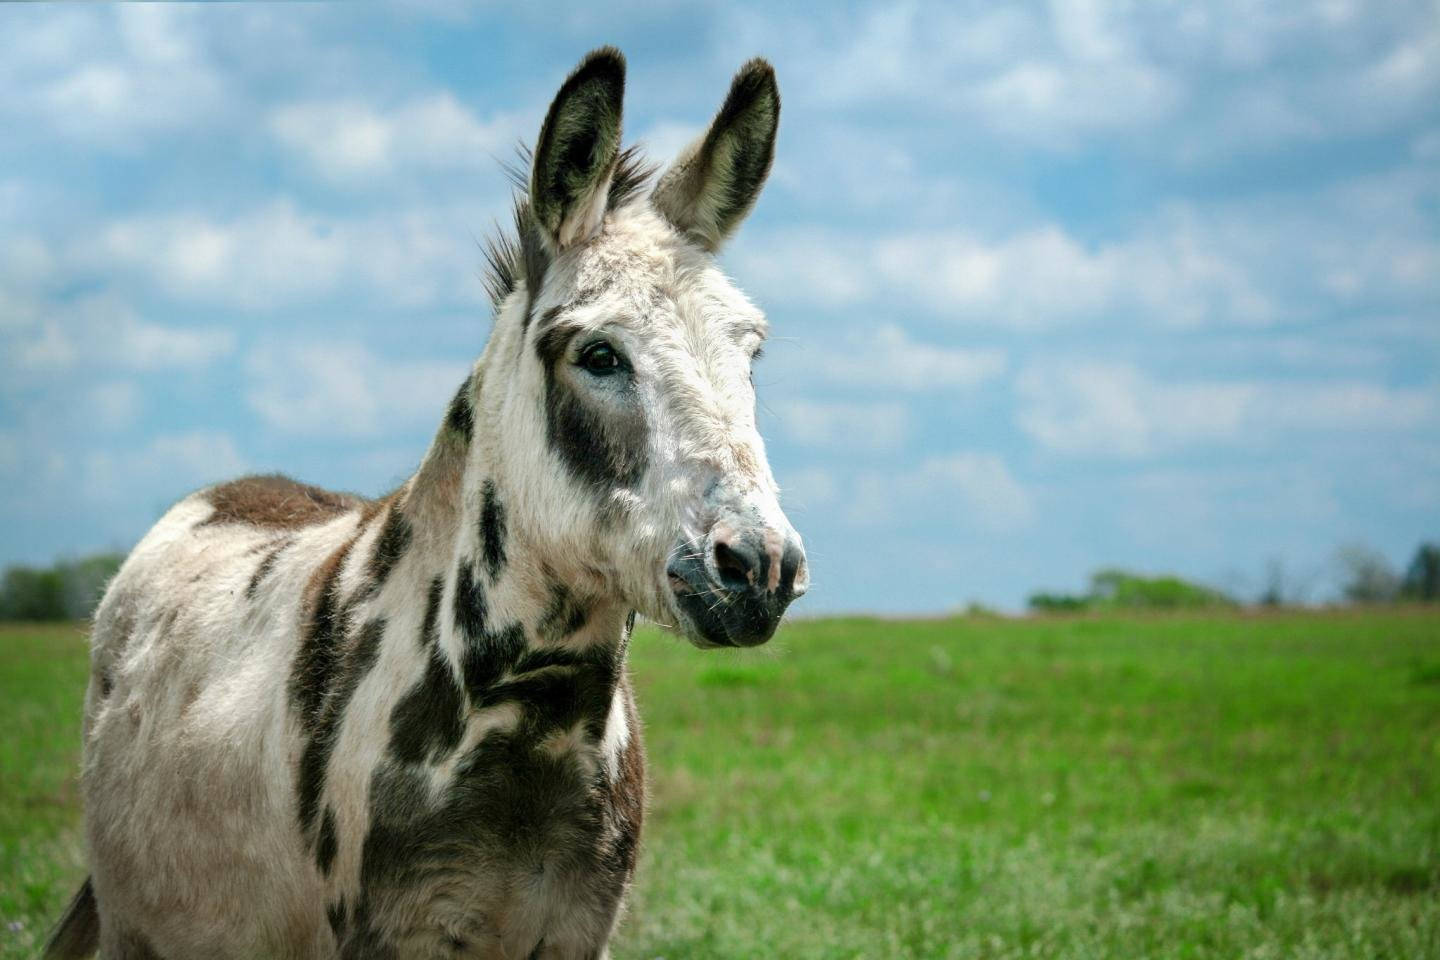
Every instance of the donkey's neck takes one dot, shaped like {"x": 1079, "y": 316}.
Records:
{"x": 498, "y": 609}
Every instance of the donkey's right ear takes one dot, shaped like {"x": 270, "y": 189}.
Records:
{"x": 577, "y": 150}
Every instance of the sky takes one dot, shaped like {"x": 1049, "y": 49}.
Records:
{"x": 1051, "y": 288}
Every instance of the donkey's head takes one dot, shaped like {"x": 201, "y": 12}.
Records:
{"x": 625, "y": 412}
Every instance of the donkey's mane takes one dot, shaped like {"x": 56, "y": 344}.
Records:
{"x": 517, "y": 255}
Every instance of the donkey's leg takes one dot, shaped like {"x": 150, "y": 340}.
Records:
{"x": 118, "y": 942}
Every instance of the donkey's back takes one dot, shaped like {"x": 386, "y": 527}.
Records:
{"x": 190, "y": 744}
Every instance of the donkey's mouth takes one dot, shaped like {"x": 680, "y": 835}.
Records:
{"x": 721, "y": 613}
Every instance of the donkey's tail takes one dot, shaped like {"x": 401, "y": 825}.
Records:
{"x": 77, "y": 935}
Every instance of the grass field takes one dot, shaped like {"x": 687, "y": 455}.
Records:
{"x": 1242, "y": 786}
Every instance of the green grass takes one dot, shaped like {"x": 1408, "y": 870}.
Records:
{"x": 1197, "y": 786}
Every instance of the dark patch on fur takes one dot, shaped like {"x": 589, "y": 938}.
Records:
{"x": 488, "y": 654}
{"x": 427, "y": 721}
{"x": 315, "y": 758}
{"x": 430, "y": 628}
{"x": 563, "y": 616}
{"x": 106, "y": 684}
{"x": 508, "y": 803}
{"x": 325, "y": 845}
{"x": 492, "y": 530}
{"x": 460, "y": 417}
{"x": 604, "y": 449}
{"x": 548, "y": 318}
{"x": 390, "y": 546}
{"x": 267, "y": 563}
{"x": 361, "y": 941}
{"x": 336, "y": 914}
{"x": 319, "y": 653}
{"x": 276, "y": 502}
{"x": 130, "y": 945}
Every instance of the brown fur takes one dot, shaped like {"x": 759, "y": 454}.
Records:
{"x": 629, "y": 790}
{"x": 276, "y": 502}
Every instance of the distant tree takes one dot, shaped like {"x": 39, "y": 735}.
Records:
{"x": 1131, "y": 591}
{"x": 1122, "y": 590}
{"x": 1366, "y": 576}
{"x": 69, "y": 590}
{"x": 1422, "y": 577}
{"x": 1276, "y": 590}
{"x": 1057, "y": 602}
{"x": 27, "y": 593}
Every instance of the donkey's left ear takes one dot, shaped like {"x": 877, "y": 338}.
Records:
{"x": 577, "y": 150}
{"x": 713, "y": 184}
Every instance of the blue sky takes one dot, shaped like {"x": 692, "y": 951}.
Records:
{"x": 1051, "y": 287}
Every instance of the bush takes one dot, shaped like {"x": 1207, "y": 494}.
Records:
{"x": 1422, "y": 577}
{"x": 67, "y": 591}
{"x": 1057, "y": 603}
{"x": 1368, "y": 576}
{"x": 1128, "y": 591}
{"x": 1112, "y": 589}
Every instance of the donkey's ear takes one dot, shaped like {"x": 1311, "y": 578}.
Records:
{"x": 713, "y": 184}
{"x": 575, "y": 155}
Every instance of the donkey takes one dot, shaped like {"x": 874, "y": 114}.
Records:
{"x": 321, "y": 726}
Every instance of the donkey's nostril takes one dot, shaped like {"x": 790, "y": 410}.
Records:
{"x": 735, "y": 565}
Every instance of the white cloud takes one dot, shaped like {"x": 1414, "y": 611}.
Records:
{"x": 139, "y": 345}
{"x": 109, "y": 76}
{"x": 1098, "y": 408}
{"x": 353, "y": 141}
{"x": 1208, "y": 82}
{"x": 887, "y": 358}
{"x": 805, "y": 489}
{"x": 1112, "y": 409}
{"x": 845, "y": 425}
{"x": 968, "y": 488}
{"x": 45, "y": 348}
{"x": 114, "y": 404}
{"x": 344, "y": 388}
{"x": 171, "y": 462}
{"x": 279, "y": 254}
{"x": 43, "y": 337}
{"x": 1176, "y": 274}
{"x": 664, "y": 140}
{"x": 1284, "y": 257}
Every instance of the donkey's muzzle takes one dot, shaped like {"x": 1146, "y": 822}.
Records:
{"x": 735, "y": 591}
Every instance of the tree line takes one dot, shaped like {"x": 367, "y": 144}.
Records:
{"x": 68, "y": 590}
{"x": 1366, "y": 578}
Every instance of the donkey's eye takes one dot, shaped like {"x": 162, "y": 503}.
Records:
{"x": 600, "y": 359}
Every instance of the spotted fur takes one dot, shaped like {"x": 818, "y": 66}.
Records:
{"x": 320, "y": 726}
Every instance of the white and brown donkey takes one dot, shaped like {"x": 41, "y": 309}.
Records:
{"x": 323, "y": 726}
